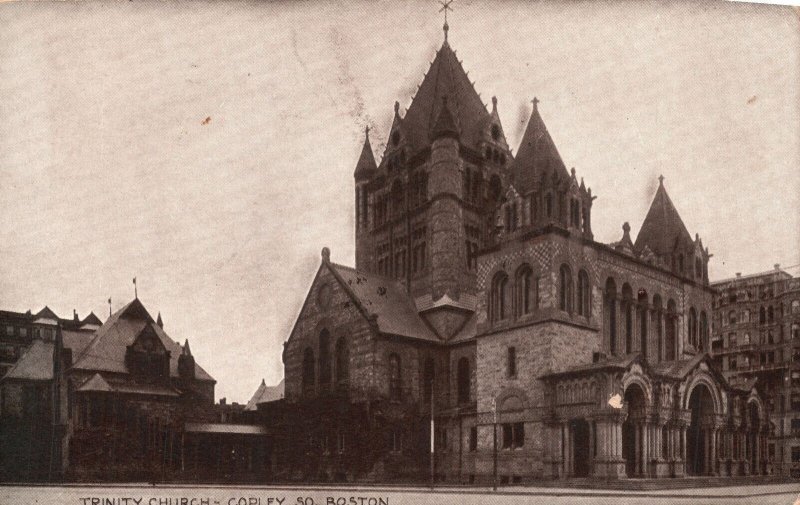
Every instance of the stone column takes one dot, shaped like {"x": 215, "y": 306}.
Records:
{"x": 645, "y": 448}
{"x": 592, "y": 444}
{"x": 757, "y": 447}
{"x": 713, "y": 453}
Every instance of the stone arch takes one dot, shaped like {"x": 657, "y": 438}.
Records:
{"x": 636, "y": 402}
{"x": 706, "y": 380}
{"x": 636, "y": 375}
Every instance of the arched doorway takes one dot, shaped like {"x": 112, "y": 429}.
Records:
{"x": 701, "y": 405}
{"x": 580, "y": 447}
{"x": 753, "y": 424}
{"x": 631, "y": 441}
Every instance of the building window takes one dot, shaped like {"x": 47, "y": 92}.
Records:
{"x": 795, "y": 454}
{"x": 762, "y": 315}
{"x": 342, "y": 362}
{"x": 795, "y": 331}
{"x": 9, "y": 331}
{"x": 464, "y": 380}
{"x": 473, "y": 439}
{"x": 513, "y": 435}
{"x": 731, "y": 340}
{"x": 565, "y": 299}
{"x": 796, "y": 307}
{"x": 732, "y": 317}
{"x": 324, "y": 357}
{"x": 397, "y": 440}
{"x": 525, "y": 295}
{"x": 429, "y": 375}
{"x": 497, "y": 308}
{"x": 584, "y": 294}
{"x": 512, "y": 361}
{"x": 770, "y": 314}
{"x": 308, "y": 371}
{"x": 340, "y": 442}
{"x": 395, "y": 379}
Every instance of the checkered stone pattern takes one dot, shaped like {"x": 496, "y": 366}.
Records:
{"x": 538, "y": 256}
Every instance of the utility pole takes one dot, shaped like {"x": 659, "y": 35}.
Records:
{"x": 494, "y": 449}
{"x": 433, "y": 450}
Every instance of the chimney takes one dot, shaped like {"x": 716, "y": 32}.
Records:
{"x": 223, "y": 401}
{"x": 738, "y": 274}
{"x": 75, "y": 315}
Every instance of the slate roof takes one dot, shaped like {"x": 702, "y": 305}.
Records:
{"x": 537, "y": 156}
{"x": 366, "y": 165}
{"x": 386, "y": 299}
{"x": 98, "y": 384}
{"x": 35, "y": 365}
{"x": 265, "y": 394}
{"x": 445, "y": 78}
{"x": 469, "y": 330}
{"x": 107, "y": 350}
{"x": 76, "y": 341}
{"x": 662, "y": 230}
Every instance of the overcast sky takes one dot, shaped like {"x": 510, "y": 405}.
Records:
{"x": 110, "y": 170}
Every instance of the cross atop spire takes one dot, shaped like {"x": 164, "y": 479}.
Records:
{"x": 366, "y": 131}
{"x": 660, "y": 180}
{"x": 535, "y": 102}
{"x": 445, "y": 7}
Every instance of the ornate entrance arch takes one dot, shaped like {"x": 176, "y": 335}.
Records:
{"x": 700, "y": 457}
{"x": 632, "y": 431}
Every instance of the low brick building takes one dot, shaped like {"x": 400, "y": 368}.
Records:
{"x": 481, "y": 300}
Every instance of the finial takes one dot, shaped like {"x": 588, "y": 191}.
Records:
{"x": 445, "y": 7}
{"x": 494, "y": 103}
{"x": 535, "y": 102}
{"x": 366, "y": 132}
{"x": 326, "y": 254}
{"x": 660, "y": 180}
{"x": 626, "y": 228}
{"x": 573, "y": 171}
{"x": 396, "y": 108}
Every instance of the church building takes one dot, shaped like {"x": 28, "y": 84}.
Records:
{"x": 480, "y": 300}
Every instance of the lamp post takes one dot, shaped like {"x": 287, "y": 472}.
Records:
{"x": 494, "y": 443}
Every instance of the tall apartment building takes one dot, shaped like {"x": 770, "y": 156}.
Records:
{"x": 756, "y": 341}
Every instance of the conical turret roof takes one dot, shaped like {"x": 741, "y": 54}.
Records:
{"x": 663, "y": 230}
{"x": 366, "y": 165}
{"x": 445, "y": 78}
{"x": 537, "y": 155}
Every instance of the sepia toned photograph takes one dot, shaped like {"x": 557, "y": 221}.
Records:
{"x": 399, "y": 252}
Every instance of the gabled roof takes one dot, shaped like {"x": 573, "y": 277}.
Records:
{"x": 96, "y": 384}
{"x": 107, "y": 350}
{"x": 35, "y": 365}
{"x": 265, "y": 394}
{"x": 537, "y": 156}
{"x": 46, "y": 313}
{"x": 445, "y": 78}
{"x": 92, "y": 319}
{"x": 663, "y": 230}
{"x": 385, "y": 299}
{"x": 366, "y": 165}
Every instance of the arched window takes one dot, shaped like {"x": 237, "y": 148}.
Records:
{"x": 627, "y": 316}
{"x": 746, "y": 316}
{"x": 762, "y": 315}
{"x": 498, "y": 299}
{"x": 324, "y": 357}
{"x": 671, "y": 327}
{"x": 565, "y": 291}
{"x": 703, "y": 337}
{"x": 429, "y": 375}
{"x": 642, "y": 307}
{"x": 795, "y": 331}
{"x": 526, "y": 291}
{"x": 463, "y": 380}
{"x": 732, "y": 317}
{"x": 657, "y": 318}
{"x": 584, "y": 294}
{"x": 795, "y": 306}
{"x": 308, "y": 371}
{"x": 693, "y": 327}
{"x": 610, "y": 313}
{"x": 342, "y": 362}
{"x": 548, "y": 204}
{"x": 395, "y": 378}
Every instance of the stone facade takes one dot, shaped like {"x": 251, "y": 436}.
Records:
{"x": 481, "y": 303}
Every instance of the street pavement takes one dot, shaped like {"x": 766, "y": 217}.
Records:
{"x": 144, "y": 494}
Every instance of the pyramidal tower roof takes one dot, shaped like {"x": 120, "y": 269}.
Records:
{"x": 445, "y": 78}
{"x": 537, "y": 155}
{"x": 663, "y": 229}
{"x": 366, "y": 162}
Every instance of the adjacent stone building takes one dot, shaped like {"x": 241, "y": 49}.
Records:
{"x": 481, "y": 299}
{"x": 756, "y": 340}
